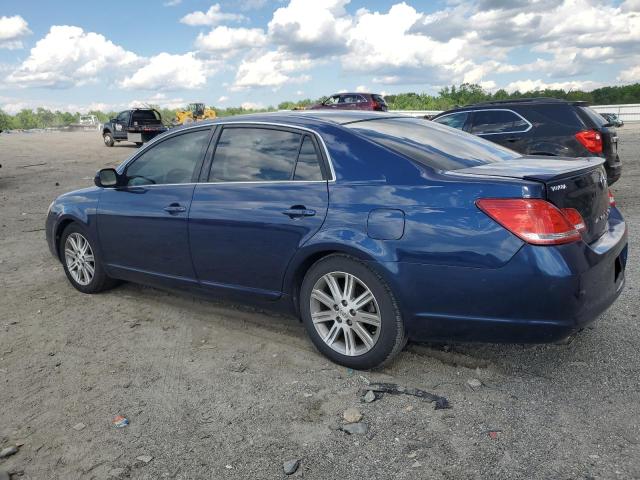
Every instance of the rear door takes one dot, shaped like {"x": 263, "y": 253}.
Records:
{"x": 143, "y": 225}
{"x": 266, "y": 194}
{"x": 502, "y": 126}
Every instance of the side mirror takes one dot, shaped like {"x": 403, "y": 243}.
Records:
{"x": 106, "y": 178}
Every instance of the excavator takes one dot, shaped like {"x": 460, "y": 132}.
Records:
{"x": 193, "y": 113}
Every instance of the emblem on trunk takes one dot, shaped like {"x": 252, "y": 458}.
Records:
{"x": 555, "y": 188}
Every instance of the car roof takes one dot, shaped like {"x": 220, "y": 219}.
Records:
{"x": 302, "y": 118}
{"x": 515, "y": 103}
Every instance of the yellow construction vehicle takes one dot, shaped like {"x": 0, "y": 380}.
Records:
{"x": 193, "y": 113}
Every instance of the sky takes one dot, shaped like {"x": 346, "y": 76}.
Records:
{"x": 79, "y": 55}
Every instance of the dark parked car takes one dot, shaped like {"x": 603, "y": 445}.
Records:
{"x": 373, "y": 228}
{"x": 541, "y": 126}
{"x": 138, "y": 125}
{"x": 612, "y": 119}
{"x": 353, "y": 101}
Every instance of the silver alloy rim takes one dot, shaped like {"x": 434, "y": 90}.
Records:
{"x": 345, "y": 313}
{"x": 107, "y": 139}
{"x": 79, "y": 258}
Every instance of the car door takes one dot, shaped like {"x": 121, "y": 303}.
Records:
{"x": 501, "y": 126}
{"x": 266, "y": 194}
{"x": 142, "y": 225}
{"x": 121, "y": 125}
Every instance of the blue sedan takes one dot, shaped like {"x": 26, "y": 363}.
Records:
{"x": 373, "y": 228}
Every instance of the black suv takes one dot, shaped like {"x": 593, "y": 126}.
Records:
{"x": 541, "y": 126}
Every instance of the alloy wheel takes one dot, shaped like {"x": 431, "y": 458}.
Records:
{"x": 345, "y": 313}
{"x": 79, "y": 258}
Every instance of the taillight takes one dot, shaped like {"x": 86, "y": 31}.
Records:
{"x": 612, "y": 200}
{"x": 575, "y": 219}
{"x": 375, "y": 105}
{"x": 535, "y": 221}
{"x": 591, "y": 139}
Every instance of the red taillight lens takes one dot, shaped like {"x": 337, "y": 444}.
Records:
{"x": 575, "y": 219}
{"x": 375, "y": 105}
{"x": 533, "y": 220}
{"x": 591, "y": 140}
{"x": 612, "y": 200}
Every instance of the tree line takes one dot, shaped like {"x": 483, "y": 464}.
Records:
{"x": 446, "y": 98}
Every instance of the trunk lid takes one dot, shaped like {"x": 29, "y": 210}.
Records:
{"x": 579, "y": 183}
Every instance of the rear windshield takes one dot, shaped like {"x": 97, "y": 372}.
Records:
{"x": 146, "y": 116}
{"x": 593, "y": 116}
{"x": 431, "y": 144}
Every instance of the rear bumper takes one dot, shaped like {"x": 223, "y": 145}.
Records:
{"x": 614, "y": 169}
{"x": 541, "y": 295}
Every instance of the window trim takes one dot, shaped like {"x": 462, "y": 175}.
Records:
{"x": 122, "y": 169}
{"x": 472, "y": 112}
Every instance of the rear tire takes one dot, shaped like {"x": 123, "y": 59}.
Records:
{"x": 350, "y": 313}
{"x": 108, "y": 139}
{"x": 138, "y": 144}
{"x": 81, "y": 262}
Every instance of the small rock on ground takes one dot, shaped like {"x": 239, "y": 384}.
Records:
{"x": 355, "y": 428}
{"x": 290, "y": 466}
{"x": 369, "y": 396}
{"x": 352, "y": 415}
{"x": 79, "y": 426}
{"x": 7, "y": 452}
{"x": 474, "y": 383}
{"x": 145, "y": 458}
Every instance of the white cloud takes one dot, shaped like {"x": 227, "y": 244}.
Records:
{"x": 362, "y": 88}
{"x": 630, "y": 75}
{"x": 533, "y": 85}
{"x": 252, "y": 106}
{"x": 68, "y": 56}
{"x": 211, "y": 17}
{"x": 12, "y": 29}
{"x": 270, "y": 69}
{"x": 172, "y": 3}
{"x": 226, "y": 39}
{"x": 168, "y": 72}
{"x": 222, "y": 99}
{"x": 315, "y": 28}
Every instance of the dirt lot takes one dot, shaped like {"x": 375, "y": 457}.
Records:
{"x": 217, "y": 391}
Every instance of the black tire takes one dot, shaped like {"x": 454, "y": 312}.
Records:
{"x": 108, "y": 139}
{"x": 100, "y": 281}
{"x": 392, "y": 336}
{"x": 138, "y": 144}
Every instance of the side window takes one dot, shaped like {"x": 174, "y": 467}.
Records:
{"x": 123, "y": 117}
{"x": 308, "y": 165}
{"x": 332, "y": 100}
{"x": 361, "y": 99}
{"x": 254, "y": 154}
{"x": 170, "y": 161}
{"x": 454, "y": 120}
{"x": 497, "y": 121}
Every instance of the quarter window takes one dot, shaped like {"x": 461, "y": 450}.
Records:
{"x": 497, "y": 121}
{"x": 170, "y": 161}
{"x": 454, "y": 120}
{"x": 254, "y": 154}
{"x": 307, "y": 167}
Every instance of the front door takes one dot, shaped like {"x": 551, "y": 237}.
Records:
{"x": 266, "y": 196}
{"x": 121, "y": 125}
{"x": 143, "y": 225}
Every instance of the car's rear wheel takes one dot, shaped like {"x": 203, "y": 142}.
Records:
{"x": 81, "y": 263}
{"x": 350, "y": 313}
{"x": 108, "y": 139}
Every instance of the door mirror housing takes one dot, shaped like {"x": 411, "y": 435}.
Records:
{"x": 107, "y": 178}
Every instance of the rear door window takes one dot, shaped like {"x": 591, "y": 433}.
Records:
{"x": 490, "y": 122}
{"x": 254, "y": 154}
{"x": 454, "y": 120}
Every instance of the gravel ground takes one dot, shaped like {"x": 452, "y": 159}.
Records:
{"x": 218, "y": 391}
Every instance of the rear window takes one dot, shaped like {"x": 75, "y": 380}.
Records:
{"x": 430, "y": 144}
{"x": 149, "y": 116}
{"x": 379, "y": 99}
{"x": 593, "y": 116}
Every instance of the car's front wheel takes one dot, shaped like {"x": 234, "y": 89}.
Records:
{"x": 350, "y": 313}
{"x": 81, "y": 263}
{"x": 108, "y": 139}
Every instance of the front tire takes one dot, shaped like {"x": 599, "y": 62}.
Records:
{"x": 108, "y": 139}
{"x": 350, "y": 313}
{"x": 81, "y": 263}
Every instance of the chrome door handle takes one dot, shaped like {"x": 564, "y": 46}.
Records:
{"x": 175, "y": 208}
{"x": 299, "y": 212}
